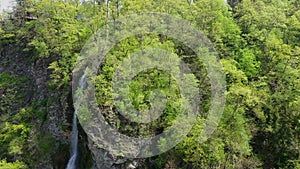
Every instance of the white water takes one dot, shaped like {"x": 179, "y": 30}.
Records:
{"x": 74, "y": 138}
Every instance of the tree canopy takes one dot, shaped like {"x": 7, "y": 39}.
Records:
{"x": 258, "y": 45}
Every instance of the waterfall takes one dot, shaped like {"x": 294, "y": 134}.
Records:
{"x": 74, "y": 138}
{"x": 74, "y": 144}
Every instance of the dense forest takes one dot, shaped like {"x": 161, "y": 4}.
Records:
{"x": 258, "y": 45}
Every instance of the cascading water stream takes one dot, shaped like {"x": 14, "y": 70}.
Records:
{"x": 74, "y": 138}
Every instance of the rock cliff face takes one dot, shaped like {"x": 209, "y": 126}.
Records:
{"x": 58, "y": 119}
{"x": 16, "y": 62}
{"x": 104, "y": 160}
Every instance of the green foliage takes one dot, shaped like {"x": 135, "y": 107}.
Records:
{"x": 268, "y": 27}
{"x": 19, "y": 134}
{"x": 5, "y": 38}
{"x": 12, "y": 92}
{"x": 14, "y": 165}
{"x": 258, "y": 43}
{"x": 248, "y": 63}
{"x": 160, "y": 161}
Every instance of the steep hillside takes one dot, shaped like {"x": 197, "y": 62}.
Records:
{"x": 257, "y": 47}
